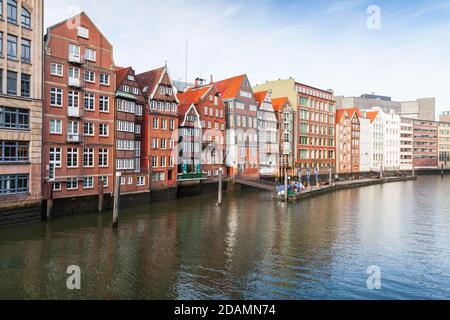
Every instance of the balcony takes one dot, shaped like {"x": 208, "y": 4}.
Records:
{"x": 73, "y": 138}
{"x": 74, "y": 58}
{"x": 74, "y": 82}
{"x": 74, "y": 112}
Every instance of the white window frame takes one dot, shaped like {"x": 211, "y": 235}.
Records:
{"x": 57, "y": 69}
{"x": 56, "y": 121}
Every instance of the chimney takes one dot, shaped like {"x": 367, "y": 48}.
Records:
{"x": 212, "y": 79}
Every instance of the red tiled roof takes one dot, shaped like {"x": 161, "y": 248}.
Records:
{"x": 350, "y": 112}
{"x": 192, "y": 96}
{"x": 260, "y": 96}
{"x": 279, "y": 103}
{"x": 121, "y": 74}
{"x": 149, "y": 79}
{"x": 372, "y": 115}
{"x": 229, "y": 88}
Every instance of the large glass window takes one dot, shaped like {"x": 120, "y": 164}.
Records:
{"x": 12, "y": 11}
{"x": 25, "y": 85}
{"x": 12, "y": 83}
{"x": 14, "y": 118}
{"x": 12, "y": 47}
{"x": 14, "y": 151}
{"x": 26, "y": 18}
{"x": 13, "y": 184}
{"x": 26, "y": 51}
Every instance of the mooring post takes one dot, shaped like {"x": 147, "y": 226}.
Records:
{"x": 381, "y": 173}
{"x": 100, "y": 195}
{"x": 50, "y": 201}
{"x": 219, "y": 201}
{"x": 115, "y": 223}
{"x": 331, "y": 177}
{"x": 285, "y": 184}
{"x": 442, "y": 170}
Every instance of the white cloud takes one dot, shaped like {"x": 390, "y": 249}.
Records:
{"x": 328, "y": 48}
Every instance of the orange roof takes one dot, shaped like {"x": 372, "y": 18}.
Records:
{"x": 121, "y": 74}
{"x": 279, "y": 103}
{"x": 192, "y": 96}
{"x": 229, "y": 88}
{"x": 372, "y": 115}
{"x": 260, "y": 96}
{"x": 150, "y": 79}
{"x": 349, "y": 111}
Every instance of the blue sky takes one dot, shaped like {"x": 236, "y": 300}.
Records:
{"x": 322, "y": 43}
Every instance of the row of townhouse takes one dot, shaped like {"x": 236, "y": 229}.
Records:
{"x": 375, "y": 140}
{"x": 71, "y": 119}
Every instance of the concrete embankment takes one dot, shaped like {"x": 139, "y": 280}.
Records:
{"x": 345, "y": 185}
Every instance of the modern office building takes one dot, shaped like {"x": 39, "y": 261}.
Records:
{"x": 21, "y": 71}
{"x": 406, "y": 144}
{"x": 426, "y": 144}
{"x": 423, "y": 108}
{"x": 314, "y": 127}
{"x": 444, "y": 144}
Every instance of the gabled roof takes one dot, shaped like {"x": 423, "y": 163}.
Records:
{"x": 73, "y": 18}
{"x": 229, "y": 88}
{"x": 279, "y": 103}
{"x": 192, "y": 96}
{"x": 121, "y": 74}
{"x": 340, "y": 114}
{"x": 371, "y": 115}
{"x": 260, "y": 96}
{"x": 150, "y": 79}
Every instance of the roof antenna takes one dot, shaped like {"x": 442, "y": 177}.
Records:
{"x": 166, "y": 64}
{"x": 187, "y": 48}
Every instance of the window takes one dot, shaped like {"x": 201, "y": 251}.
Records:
{"x": 104, "y": 180}
{"x": 12, "y": 47}
{"x": 56, "y": 96}
{"x": 90, "y": 54}
{"x": 155, "y": 123}
{"x": 89, "y": 76}
{"x": 72, "y": 184}
{"x": 89, "y": 129}
{"x": 12, "y": 83}
{"x": 135, "y": 90}
{"x": 56, "y": 186}
{"x": 74, "y": 52}
{"x": 104, "y": 104}
{"x": 72, "y": 157}
{"x": 73, "y": 99}
{"x": 13, "y": 184}
{"x": 55, "y": 126}
{"x": 126, "y": 88}
{"x": 104, "y": 79}
{"x": 89, "y": 101}
{"x": 103, "y": 158}
{"x": 26, "y": 51}
{"x": 14, "y": 151}
{"x": 154, "y": 162}
{"x": 138, "y": 110}
{"x": 12, "y": 11}
{"x": 137, "y": 129}
{"x": 83, "y": 32}
{"x": 88, "y": 158}
{"x": 140, "y": 181}
{"x": 14, "y": 118}
{"x": 55, "y": 157}
{"x": 163, "y": 162}
{"x": 88, "y": 183}
{"x": 130, "y": 180}
{"x": 103, "y": 130}
{"x": 25, "y": 85}
{"x": 164, "y": 124}
{"x": 74, "y": 73}
{"x": 56, "y": 69}
{"x": 26, "y": 18}
{"x": 1, "y": 39}
{"x": 172, "y": 125}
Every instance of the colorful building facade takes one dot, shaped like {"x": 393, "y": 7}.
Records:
{"x": 285, "y": 115}
{"x": 348, "y": 141}
{"x": 426, "y": 144}
{"x": 241, "y": 114}
{"x": 80, "y": 83}
{"x": 159, "y": 142}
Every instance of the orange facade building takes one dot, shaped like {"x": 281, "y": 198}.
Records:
{"x": 348, "y": 140}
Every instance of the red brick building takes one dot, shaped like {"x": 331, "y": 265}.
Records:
{"x": 204, "y": 103}
{"x": 241, "y": 113}
{"x": 159, "y": 142}
{"x": 129, "y": 117}
{"x": 79, "y": 89}
{"x": 426, "y": 144}
{"x": 348, "y": 140}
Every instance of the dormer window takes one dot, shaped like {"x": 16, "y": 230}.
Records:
{"x": 131, "y": 77}
{"x": 83, "y": 32}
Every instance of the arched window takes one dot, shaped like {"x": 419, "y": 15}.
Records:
{"x": 12, "y": 11}
{"x": 26, "y": 18}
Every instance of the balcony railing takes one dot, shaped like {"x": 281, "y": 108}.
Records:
{"x": 74, "y": 112}
{"x": 73, "y": 138}
{"x": 191, "y": 176}
{"x": 74, "y": 82}
{"x": 74, "y": 58}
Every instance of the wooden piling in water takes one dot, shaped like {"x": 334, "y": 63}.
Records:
{"x": 116, "y": 208}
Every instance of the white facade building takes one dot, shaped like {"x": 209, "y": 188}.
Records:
{"x": 365, "y": 142}
{"x": 406, "y": 144}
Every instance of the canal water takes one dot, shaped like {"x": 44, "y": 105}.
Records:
{"x": 252, "y": 248}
